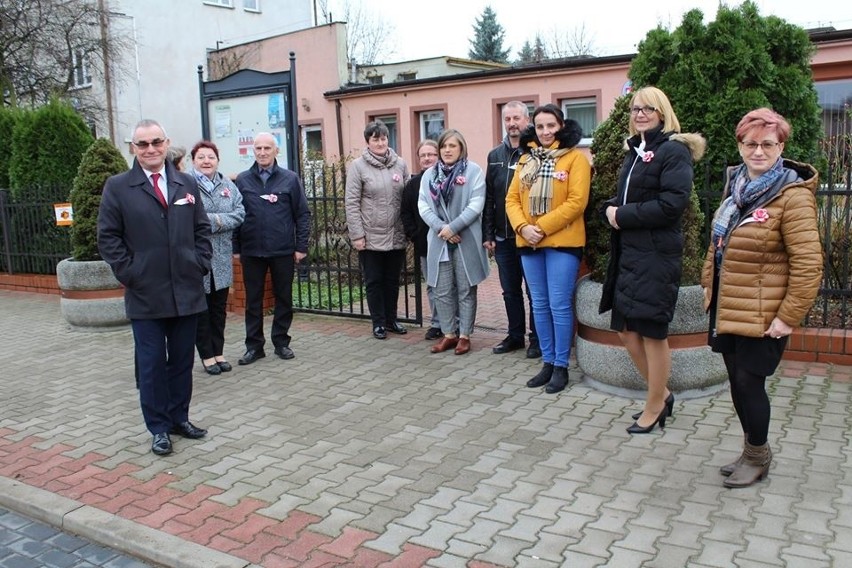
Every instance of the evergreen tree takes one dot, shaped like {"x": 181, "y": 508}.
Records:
{"x": 46, "y": 148}
{"x": 487, "y": 43}
{"x": 99, "y": 162}
{"x": 715, "y": 73}
{"x": 8, "y": 118}
{"x": 526, "y": 55}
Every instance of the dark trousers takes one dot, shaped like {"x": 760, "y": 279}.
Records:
{"x": 513, "y": 283}
{"x": 381, "y": 271}
{"x": 210, "y": 338}
{"x": 254, "y": 275}
{"x": 164, "y": 356}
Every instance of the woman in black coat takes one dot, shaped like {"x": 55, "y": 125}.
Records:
{"x": 644, "y": 271}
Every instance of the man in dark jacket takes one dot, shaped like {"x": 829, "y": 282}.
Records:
{"x": 273, "y": 238}
{"x": 499, "y": 235}
{"x": 415, "y": 228}
{"x": 155, "y": 235}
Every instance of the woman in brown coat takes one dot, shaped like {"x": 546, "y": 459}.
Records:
{"x": 761, "y": 275}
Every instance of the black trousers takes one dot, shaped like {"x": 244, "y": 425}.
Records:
{"x": 254, "y": 275}
{"x": 210, "y": 338}
{"x": 164, "y": 355}
{"x": 381, "y": 271}
{"x": 513, "y": 283}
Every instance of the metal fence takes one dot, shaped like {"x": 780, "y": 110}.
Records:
{"x": 329, "y": 279}
{"x": 31, "y": 242}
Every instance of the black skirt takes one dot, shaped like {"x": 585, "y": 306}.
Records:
{"x": 644, "y": 327}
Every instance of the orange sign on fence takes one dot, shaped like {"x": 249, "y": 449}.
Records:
{"x": 64, "y": 214}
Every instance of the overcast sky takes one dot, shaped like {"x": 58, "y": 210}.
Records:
{"x": 428, "y": 28}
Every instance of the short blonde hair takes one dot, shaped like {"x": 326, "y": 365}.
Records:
{"x": 652, "y": 96}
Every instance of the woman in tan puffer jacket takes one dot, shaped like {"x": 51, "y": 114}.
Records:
{"x": 761, "y": 275}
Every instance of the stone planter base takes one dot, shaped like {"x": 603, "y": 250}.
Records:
{"x": 91, "y": 298}
{"x": 606, "y": 365}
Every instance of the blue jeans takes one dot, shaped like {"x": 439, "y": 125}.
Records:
{"x": 512, "y": 282}
{"x": 552, "y": 275}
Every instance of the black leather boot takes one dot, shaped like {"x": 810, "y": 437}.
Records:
{"x": 542, "y": 378}
{"x": 558, "y": 380}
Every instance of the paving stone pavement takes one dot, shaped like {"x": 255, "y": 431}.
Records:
{"x": 364, "y": 453}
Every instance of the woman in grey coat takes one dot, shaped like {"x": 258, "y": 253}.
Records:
{"x": 224, "y": 205}
{"x": 452, "y": 196}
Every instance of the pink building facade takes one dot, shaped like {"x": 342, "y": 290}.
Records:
{"x": 333, "y": 112}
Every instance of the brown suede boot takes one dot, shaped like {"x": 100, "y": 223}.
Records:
{"x": 728, "y": 469}
{"x": 754, "y": 467}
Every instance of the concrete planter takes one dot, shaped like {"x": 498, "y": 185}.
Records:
{"x": 696, "y": 370}
{"x": 91, "y": 298}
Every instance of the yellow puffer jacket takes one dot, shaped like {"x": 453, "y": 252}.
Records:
{"x": 563, "y": 225}
{"x": 771, "y": 268}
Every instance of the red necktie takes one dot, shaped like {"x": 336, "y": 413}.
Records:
{"x": 155, "y": 180}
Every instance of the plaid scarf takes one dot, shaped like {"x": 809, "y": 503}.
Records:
{"x": 745, "y": 193}
{"x": 444, "y": 180}
{"x": 537, "y": 175}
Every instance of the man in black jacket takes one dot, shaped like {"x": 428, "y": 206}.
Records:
{"x": 499, "y": 235}
{"x": 273, "y": 238}
{"x": 155, "y": 235}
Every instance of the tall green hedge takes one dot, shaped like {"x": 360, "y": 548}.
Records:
{"x": 715, "y": 73}
{"x": 8, "y": 118}
{"x": 99, "y": 162}
{"x": 47, "y": 145}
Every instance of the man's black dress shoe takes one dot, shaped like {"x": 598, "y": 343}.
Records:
{"x": 379, "y": 332}
{"x": 284, "y": 352}
{"x": 224, "y": 366}
{"x": 533, "y": 351}
{"x": 397, "y": 328}
{"x": 434, "y": 333}
{"x": 507, "y": 345}
{"x": 251, "y": 356}
{"x": 162, "y": 444}
{"x": 188, "y": 430}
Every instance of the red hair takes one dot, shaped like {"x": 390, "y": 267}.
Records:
{"x": 204, "y": 144}
{"x": 763, "y": 118}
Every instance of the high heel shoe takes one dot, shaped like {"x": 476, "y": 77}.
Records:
{"x": 661, "y": 420}
{"x": 669, "y": 406}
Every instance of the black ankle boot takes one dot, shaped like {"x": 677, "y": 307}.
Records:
{"x": 558, "y": 380}
{"x": 542, "y": 377}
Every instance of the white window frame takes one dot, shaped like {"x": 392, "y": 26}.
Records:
{"x": 392, "y": 122}
{"x": 582, "y": 102}
{"x": 313, "y": 166}
{"x": 251, "y": 5}
{"x": 429, "y": 116}
{"x": 81, "y": 77}
{"x": 220, "y": 3}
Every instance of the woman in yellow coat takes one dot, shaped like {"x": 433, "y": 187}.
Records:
{"x": 545, "y": 205}
{"x": 761, "y": 275}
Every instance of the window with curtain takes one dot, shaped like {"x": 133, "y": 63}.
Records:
{"x": 431, "y": 124}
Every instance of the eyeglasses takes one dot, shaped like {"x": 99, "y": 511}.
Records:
{"x": 646, "y": 110}
{"x": 765, "y": 146}
{"x": 429, "y": 155}
{"x": 143, "y": 144}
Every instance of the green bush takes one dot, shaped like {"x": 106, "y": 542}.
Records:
{"x": 8, "y": 118}
{"x": 47, "y": 146}
{"x": 99, "y": 162}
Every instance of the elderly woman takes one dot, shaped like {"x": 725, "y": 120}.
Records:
{"x": 545, "y": 206}
{"x": 646, "y": 217}
{"x": 761, "y": 275}
{"x": 224, "y": 205}
{"x": 373, "y": 196}
{"x": 452, "y": 196}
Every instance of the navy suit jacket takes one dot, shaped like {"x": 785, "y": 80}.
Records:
{"x": 159, "y": 255}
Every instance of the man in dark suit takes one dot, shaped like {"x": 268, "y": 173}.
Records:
{"x": 272, "y": 238}
{"x": 155, "y": 235}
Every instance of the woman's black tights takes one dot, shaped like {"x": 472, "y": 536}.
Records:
{"x": 748, "y": 392}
